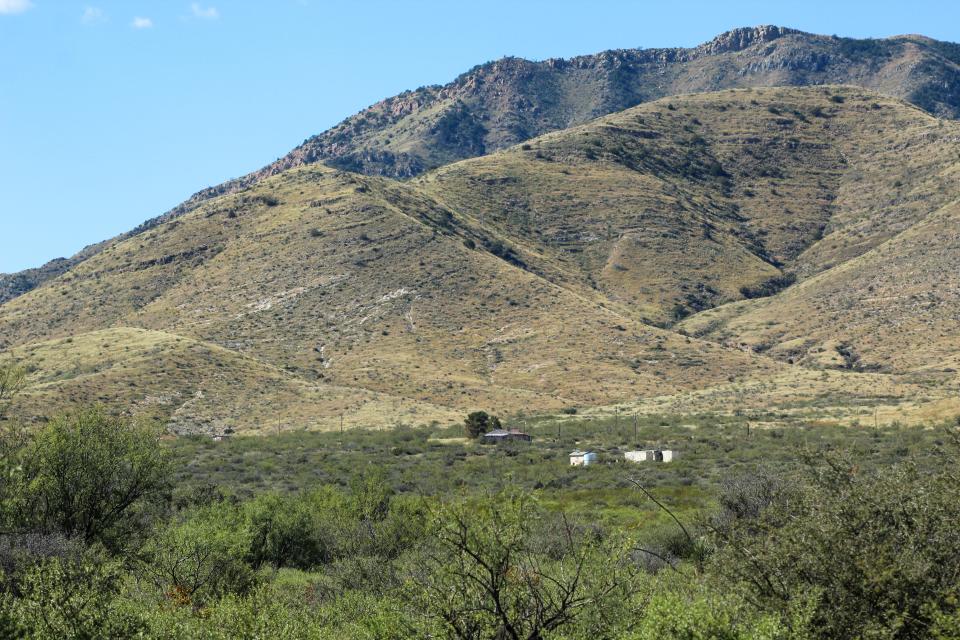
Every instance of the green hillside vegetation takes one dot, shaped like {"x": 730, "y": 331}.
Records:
{"x": 810, "y": 532}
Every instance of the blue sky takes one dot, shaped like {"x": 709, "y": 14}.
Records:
{"x": 112, "y": 112}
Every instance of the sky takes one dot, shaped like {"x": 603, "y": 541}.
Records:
{"x": 113, "y": 112}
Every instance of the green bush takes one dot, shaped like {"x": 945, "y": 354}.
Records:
{"x": 875, "y": 552}
{"x": 91, "y": 476}
{"x": 199, "y": 556}
{"x": 71, "y": 598}
{"x": 287, "y": 531}
{"x": 485, "y": 573}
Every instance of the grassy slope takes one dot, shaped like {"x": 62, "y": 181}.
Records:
{"x": 676, "y": 205}
{"x": 196, "y": 386}
{"x": 521, "y": 281}
{"x": 891, "y": 309}
{"x": 880, "y": 293}
{"x": 363, "y": 283}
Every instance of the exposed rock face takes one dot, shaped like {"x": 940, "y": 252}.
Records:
{"x": 513, "y": 99}
{"x": 502, "y": 103}
{"x": 17, "y": 284}
{"x": 740, "y": 39}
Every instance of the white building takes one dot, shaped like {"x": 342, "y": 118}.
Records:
{"x": 582, "y": 458}
{"x": 650, "y": 455}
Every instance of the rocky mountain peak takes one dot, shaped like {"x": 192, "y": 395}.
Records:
{"x": 743, "y": 38}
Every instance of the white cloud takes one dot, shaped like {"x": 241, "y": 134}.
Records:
{"x": 93, "y": 15}
{"x": 140, "y": 23}
{"x": 208, "y": 13}
{"x": 11, "y": 7}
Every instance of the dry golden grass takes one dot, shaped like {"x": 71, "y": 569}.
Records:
{"x": 361, "y": 284}
{"x": 197, "y": 387}
{"x": 830, "y": 396}
{"x": 529, "y": 280}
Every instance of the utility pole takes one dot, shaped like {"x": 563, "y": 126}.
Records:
{"x": 341, "y": 424}
{"x": 636, "y": 428}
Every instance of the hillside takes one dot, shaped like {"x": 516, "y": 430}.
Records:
{"x": 197, "y": 387}
{"x": 502, "y": 103}
{"x": 891, "y": 309}
{"x": 680, "y": 205}
{"x": 544, "y": 276}
{"x": 360, "y": 283}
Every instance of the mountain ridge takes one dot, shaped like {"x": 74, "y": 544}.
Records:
{"x": 505, "y": 102}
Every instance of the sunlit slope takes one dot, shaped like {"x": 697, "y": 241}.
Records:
{"x": 196, "y": 387}
{"x": 364, "y": 283}
{"x": 532, "y": 279}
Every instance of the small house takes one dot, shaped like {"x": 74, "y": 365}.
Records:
{"x": 582, "y": 458}
{"x": 650, "y": 455}
{"x": 503, "y": 435}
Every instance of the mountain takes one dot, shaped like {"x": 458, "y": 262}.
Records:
{"x": 703, "y": 252}
{"x": 502, "y": 103}
{"x": 355, "y": 282}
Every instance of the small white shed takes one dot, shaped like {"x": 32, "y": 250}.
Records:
{"x": 582, "y": 458}
{"x": 650, "y": 455}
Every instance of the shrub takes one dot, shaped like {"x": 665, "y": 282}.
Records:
{"x": 91, "y": 476}
{"x": 769, "y": 287}
{"x": 490, "y": 575}
{"x": 504, "y": 252}
{"x": 267, "y": 199}
{"x": 199, "y": 557}
{"x": 284, "y": 532}
{"x": 873, "y": 552}
{"x": 75, "y": 598}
